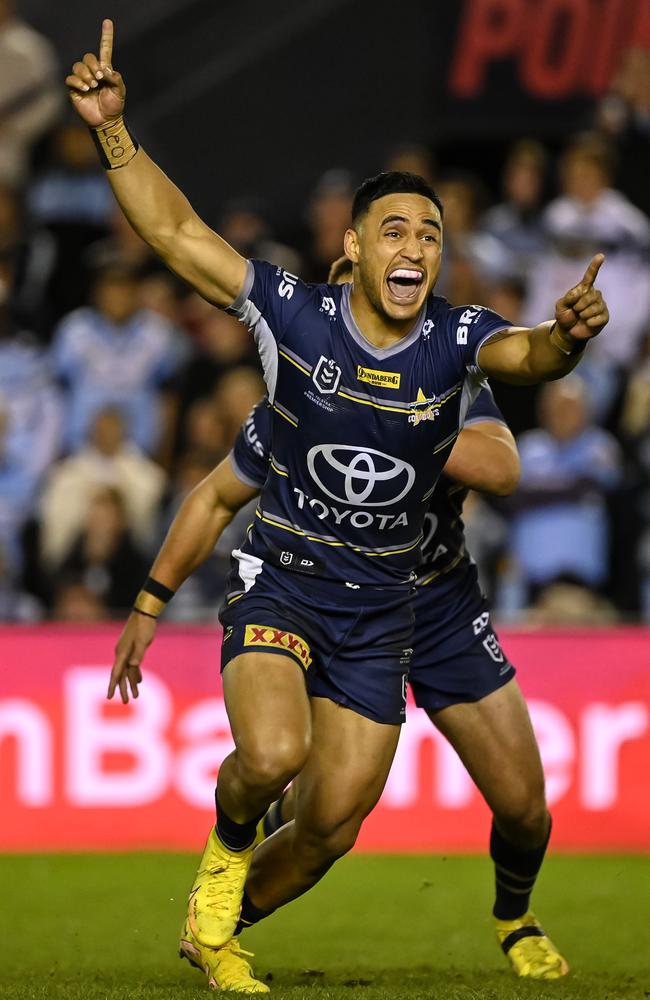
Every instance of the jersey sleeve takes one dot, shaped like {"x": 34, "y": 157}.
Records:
{"x": 484, "y": 408}
{"x": 474, "y": 326}
{"x": 270, "y": 300}
{"x": 252, "y": 448}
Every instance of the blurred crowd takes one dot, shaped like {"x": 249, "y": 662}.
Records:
{"x": 120, "y": 389}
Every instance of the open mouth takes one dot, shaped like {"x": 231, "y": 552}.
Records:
{"x": 404, "y": 284}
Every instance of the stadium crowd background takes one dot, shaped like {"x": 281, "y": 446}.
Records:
{"x": 120, "y": 388}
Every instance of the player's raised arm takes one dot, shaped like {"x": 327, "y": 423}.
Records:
{"x": 193, "y": 534}
{"x": 552, "y": 349}
{"x": 156, "y": 209}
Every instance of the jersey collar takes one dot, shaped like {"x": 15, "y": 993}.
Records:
{"x": 378, "y": 352}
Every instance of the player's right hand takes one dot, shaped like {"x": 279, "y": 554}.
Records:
{"x": 137, "y": 636}
{"x": 96, "y": 90}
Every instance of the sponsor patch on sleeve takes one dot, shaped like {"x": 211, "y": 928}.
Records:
{"x": 266, "y": 637}
{"x": 386, "y": 380}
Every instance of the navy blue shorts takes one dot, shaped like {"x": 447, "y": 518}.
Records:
{"x": 456, "y": 653}
{"x": 354, "y": 645}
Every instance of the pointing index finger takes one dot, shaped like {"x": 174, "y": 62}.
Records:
{"x": 592, "y": 270}
{"x": 106, "y": 42}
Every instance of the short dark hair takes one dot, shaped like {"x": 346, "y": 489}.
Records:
{"x": 391, "y": 182}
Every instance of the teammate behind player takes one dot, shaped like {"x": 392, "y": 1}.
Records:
{"x": 320, "y": 602}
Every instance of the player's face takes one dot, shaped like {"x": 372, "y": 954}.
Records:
{"x": 397, "y": 249}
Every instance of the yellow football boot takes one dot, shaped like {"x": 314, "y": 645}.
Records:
{"x": 226, "y": 967}
{"x": 530, "y": 952}
{"x": 214, "y": 904}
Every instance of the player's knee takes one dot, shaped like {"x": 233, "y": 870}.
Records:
{"x": 273, "y": 763}
{"x": 330, "y": 839}
{"x": 524, "y": 819}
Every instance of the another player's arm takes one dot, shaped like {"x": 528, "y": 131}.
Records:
{"x": 542, "y": 353}
{"x": 157, "y": 210}
{"x": 193, "y": 534}
{"x": 485, "y": 458}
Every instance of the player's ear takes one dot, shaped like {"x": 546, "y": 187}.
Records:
{"x": 351, "y": 245}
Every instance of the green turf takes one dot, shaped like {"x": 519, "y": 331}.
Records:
{"x": 383, "y": 928}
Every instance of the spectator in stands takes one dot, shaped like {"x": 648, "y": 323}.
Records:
{"x": 516, "y": 221}
{"x": 588, "y": 216}
{"x": 244, "y": 224}
{"x": 472, "y": 258}
{"x": 204, "y": 431}
{"x": 235, "y": 396}
{"x": 623, "y": 116}
{"x": 163, "y": 293}
{"x": 75, "y": 603}
{"x": 633, "y": 521}
{"x": 30, "y": 394}
{"x": 18, "y": 487}
{"x": 112, "y": 353}
{"x": 11, "y": 231}
{"x": 68, "y": 205}
{"x": 122, "y": 243}
{"x": 30, "y": 93}
{"x": 221, "y": 343}
{"x": 104, "y": 557}
{"x": 108, "y": 459}
{"x": 328, "y": 216}
{"x": 15, "y": 604}
{"x": 415, "y": 158}
{"x": 559, "y": 528}
{"x": 570, "y": 604}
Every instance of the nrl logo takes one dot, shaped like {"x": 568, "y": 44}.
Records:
{"x": 326, "y": 375}
{"x": 423, "y": 408}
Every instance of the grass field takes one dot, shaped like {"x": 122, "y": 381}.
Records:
{"x": 104, "y": 927}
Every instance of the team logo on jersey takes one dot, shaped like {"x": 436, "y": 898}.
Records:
{"x": 263, "y": 636}
{"x": 328, "y": 306}
{"x": 363, "y": 477}
{"x": 424, "y": 408}
{"x": 492, "y": 647}
{"x": 326, "y": 375}
{"x": 386, "y": 380}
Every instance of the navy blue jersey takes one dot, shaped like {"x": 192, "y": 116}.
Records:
{"x": 443, "y": 546}
{"x": 359, "y": 434}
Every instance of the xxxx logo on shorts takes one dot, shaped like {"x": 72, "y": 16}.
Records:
{"x": 275, "y": 638}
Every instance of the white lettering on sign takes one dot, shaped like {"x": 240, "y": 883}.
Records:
{"x": 139, "y": 732}
{"x": 24, "y": 723}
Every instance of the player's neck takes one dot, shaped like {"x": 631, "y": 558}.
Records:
{"x": 378, "y": 329}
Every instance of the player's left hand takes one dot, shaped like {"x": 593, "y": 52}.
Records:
{"x": 582, "y": 312}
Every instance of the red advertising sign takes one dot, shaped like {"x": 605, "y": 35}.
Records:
{"x": 79, "y": 773}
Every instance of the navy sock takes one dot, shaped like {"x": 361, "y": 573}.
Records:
{"x": 515, "y": 874}
{"x": 236, "y": 836}
{"x": 250, "y": 914}
{"x": 273, "y": 819}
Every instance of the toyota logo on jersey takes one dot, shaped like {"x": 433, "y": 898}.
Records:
{"x": 363, "y": 477}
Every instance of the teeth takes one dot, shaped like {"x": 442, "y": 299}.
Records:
{"x": 403, "y": 272}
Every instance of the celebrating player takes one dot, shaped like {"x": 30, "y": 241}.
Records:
{"x": 369, "y": 386}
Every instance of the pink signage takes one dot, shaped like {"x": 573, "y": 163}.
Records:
{"x": 77, "y": 772}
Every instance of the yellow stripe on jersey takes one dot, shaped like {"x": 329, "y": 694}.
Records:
{"x": 288, "y": 419}
{"x": 300, "y": 368}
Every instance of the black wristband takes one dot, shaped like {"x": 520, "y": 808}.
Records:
{"x": 145, "y": 614}
{"x": 156, "y": 589}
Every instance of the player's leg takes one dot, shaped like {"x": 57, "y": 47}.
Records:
{"x": 495, "y": 740}
{"x": 341, "y": 782}
{"x": 270, "y": 717}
